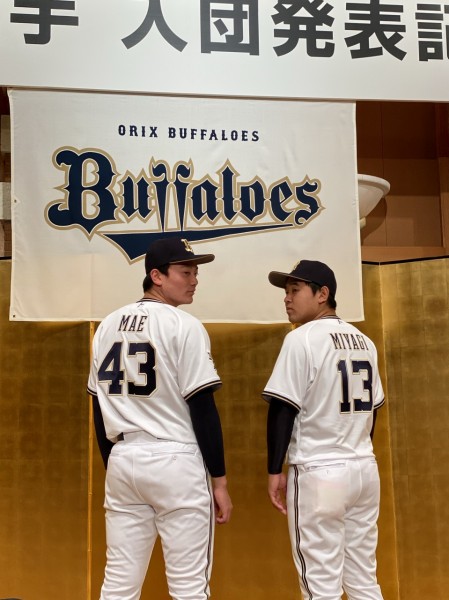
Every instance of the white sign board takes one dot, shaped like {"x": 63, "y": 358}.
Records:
{"x": 316, "y": 49}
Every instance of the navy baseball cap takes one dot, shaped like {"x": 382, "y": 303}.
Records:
{"x": 312, "y": 271}
{"x": 173, "y": 251}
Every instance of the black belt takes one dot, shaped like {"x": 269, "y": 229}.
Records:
{"x": 140, "y": 435}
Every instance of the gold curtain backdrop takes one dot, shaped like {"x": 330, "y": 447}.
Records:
{"x": 52, "y": 478}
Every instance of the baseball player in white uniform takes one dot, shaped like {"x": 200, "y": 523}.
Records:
{"x": 323, "y": 394}
{"x": 152, "y": 380}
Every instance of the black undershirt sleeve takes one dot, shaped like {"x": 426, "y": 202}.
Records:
{"x": 104, "y": 444}
{"x": 281, "y": 417}
{"x": 374, "y": 423}
{"x": 207, "y": 427}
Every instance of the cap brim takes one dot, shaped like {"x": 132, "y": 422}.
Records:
{"x": 280, "y": 279}
{"x": 198, "y": 259}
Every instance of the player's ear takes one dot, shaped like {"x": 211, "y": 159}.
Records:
{"x": 156, "y": 276}
{"x": 323, "y": 294}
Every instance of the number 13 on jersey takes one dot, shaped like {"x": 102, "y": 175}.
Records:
{"x": 359, "y": 370}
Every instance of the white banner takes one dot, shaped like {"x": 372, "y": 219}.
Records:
{"x": 316, "y": 49}
{"x": 260, "y": 184}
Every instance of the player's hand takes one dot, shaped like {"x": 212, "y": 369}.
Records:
{"x": 222, "y": 499}
{"x": 277, "y": 487}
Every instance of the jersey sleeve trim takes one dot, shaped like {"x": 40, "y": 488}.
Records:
{"x": 91, "y": 391}
{"x": 269, "y": 395}
{"x": 213, "y": 385}
{"x": 381, "y": 403}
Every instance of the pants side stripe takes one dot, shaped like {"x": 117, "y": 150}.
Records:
{"x": 298, "y": 536}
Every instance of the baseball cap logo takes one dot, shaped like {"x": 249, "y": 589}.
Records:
{"x": 188, "y": 247}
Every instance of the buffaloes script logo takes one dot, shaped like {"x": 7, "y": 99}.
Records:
{"x": 131, "y": 211}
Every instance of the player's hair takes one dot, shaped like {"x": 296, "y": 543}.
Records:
{"x": 148, "y": 282}
{"x": 331, "y": 302}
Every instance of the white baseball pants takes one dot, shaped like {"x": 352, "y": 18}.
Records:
{"x": 333, "y": 507}
{"x": 157, "y": 488}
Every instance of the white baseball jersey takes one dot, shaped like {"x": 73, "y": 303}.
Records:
{"x": 148, "y": 359}
{"x": 328, "y": 370}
